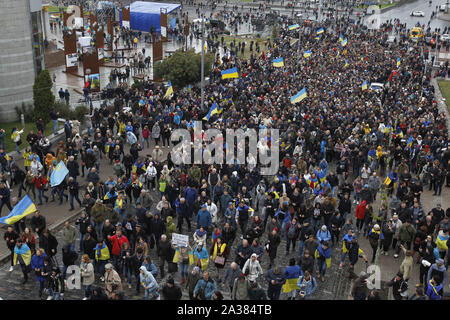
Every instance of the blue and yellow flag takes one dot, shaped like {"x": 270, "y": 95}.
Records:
{"x": 344, "y": 42}
{"x": 212, "y": 111}
{"x": 58, "y": 175}
{"x": 320, "y": 31}
{"x": 364, "y": 85}
{"x": 346, "y": 63}
{"x": 20, "y": 210}
{"x": 230, "y": 73}
{"x": 307, "y": 54}
{"x": 169, "y": 90}
{"x": 341, "y": 37}
{"x": 278, "y": 62}
{"x": 299, "y": 96}
{"x": 294, "y": 26}
{"x": 398, "y": 62}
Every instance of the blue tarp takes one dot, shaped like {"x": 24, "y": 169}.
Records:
{"x": 144, "y": 15}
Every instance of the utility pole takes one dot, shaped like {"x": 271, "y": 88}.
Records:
{"x": 203, "y": 63}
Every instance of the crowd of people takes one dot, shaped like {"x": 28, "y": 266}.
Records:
{"x": 345, "y": 150}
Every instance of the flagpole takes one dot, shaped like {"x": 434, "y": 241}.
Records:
{"x": 203, "y": 65}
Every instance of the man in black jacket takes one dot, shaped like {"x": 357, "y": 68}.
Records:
{"x": 243, "y": 253}
{"x": 164, "y": 253}
{"x": 73, "y": 187}
{"x": 73, "y": 168}
{"x": 170, "y": 291}
{"x": 276, "y": 279}
{"x": 5, "y": 197}
{"x": 38, "y": 223}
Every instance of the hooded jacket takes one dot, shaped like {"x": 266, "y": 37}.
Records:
{"x": 361, "y": 210}
{"x": 147, "y": 280}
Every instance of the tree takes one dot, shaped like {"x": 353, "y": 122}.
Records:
{"x": 183, "y": 67}
{"x": 42, "y": 96}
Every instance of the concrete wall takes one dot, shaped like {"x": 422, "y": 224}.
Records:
{"x": 16, "y": 57}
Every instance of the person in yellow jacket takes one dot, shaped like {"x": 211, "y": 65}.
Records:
{"x": 22, "y": 255}
{"x": 27, "y": 158}
{"x": 218, "y": 255}
{"x": 101, "y": 257}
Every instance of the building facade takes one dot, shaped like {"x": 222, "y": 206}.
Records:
{"x": 21, "y": 54}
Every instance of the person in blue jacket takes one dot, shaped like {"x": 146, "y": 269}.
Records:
{"x": 307, "y": 284}
{"x": 37, "y": 265}
{"x": 149, "y": 283}
{"x": 434, "y": 289}
{"x": 205, "y": 287}
{"x": 203, "y": 218}
{"x": 323, "y": 234}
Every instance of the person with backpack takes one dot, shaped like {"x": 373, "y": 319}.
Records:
{"x": 307, "y": 284}
{"x": 205, "y": 287}
{"x": 435, "y": 289}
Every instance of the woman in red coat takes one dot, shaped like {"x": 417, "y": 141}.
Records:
{"x": 360, "y": 213}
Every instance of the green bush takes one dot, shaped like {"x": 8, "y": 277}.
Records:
{"x": 137, "y": 85}
{"x": 27, "y": 111}
{"x": 79, "y": 112}
{"x": 43, "y": 97}
{"x": 64, "y": 110}
{"x": 183, "y": 67}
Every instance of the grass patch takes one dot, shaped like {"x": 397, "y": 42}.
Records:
{"x": 445, "y": 90}
{"x": 10, "y": 145}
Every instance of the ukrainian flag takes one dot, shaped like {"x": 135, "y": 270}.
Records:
{"x": 320, "y": 31}
{"x": 341, "y": 37}
{"x": 299, "y": 96}
{"x": 290, "y": 285}
{"x": 213, "y": 110}
{"x": 230, "y": 73}
{"x": 346, "y": 63}
{"x": 20, "y": 210}
{"x": 58, "y": 175}
{"x": 294, "y": 26}
{"x": 169, "y": 90}
{"x": 344, "y": 42}
{"x": 278, "y": 62}
{"x": 410, "y": 141}
{"x": 364, "y": 86}
{"x": 307, "y": 54}
{"x": 317, "y": 38}
{"x": 398, "y": 62}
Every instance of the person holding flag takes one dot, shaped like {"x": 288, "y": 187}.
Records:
{"x": 22, "y": 255}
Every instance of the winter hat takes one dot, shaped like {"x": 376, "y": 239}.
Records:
{"x": 440, "y": 261}
{"x": 196, "y": 269}
{"x": 171, "y": 281}
{"x": 324, "y": 228}
{"x": 143, "y": 268}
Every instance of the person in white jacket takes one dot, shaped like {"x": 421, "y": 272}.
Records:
{"x": 212, "y": 208}
{"x": 253, "y": 267}
{"x": 150, "y": 176}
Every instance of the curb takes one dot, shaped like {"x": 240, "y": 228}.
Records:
{"x": 58, "y": 225}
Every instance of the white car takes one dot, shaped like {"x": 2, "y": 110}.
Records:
{"x": 442, "y": 7}
{"x": 445, "y": 37}
{"x": 418, "y": 14}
